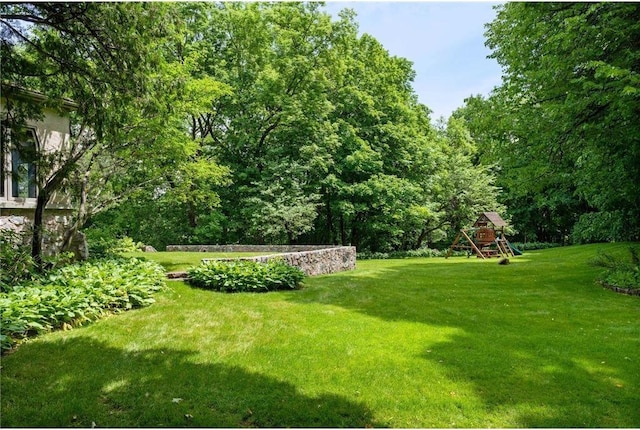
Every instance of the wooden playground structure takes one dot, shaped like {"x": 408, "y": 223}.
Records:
{"x": 485, "y": 239}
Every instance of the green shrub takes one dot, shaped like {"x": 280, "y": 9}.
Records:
{"x": 529, "y": 246}
{"x": 620, "y": 273}
{"x": 246, "y": 276}
{"x": 15, "y": 259}
{"x": 126, "y": 244}
{"x": 103, "y": 245}
{"x": 76, "y": 294}
{"x": 368, "y": 255}
{"x": 414, "y": 253}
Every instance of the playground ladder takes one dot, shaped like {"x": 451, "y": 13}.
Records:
{"x": 504, "y": 247}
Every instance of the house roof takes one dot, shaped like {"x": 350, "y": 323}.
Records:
{"x": 493, "y": 218}
{"x": 10, "y": 90}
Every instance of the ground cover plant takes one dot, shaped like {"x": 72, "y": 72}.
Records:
{"x": 422, "y": 252}
{"x": 246, "y": 276}
{"x": 423, "y": 342}
{"x": 621, "y": 273}
{"x": 74, "y": 295}
{"x": 180, "y": 261}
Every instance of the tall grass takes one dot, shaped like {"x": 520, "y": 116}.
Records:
{"x": 396, "y": 343}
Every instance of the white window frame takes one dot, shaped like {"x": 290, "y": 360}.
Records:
{"x": 7, "y": 199}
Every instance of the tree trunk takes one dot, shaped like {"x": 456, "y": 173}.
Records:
{"x": 343, "y": 232}
{"x": 421, "y": 237}
{"x": 38, "y": 229}
{"x": 81, "y": 217}
{"x": 192, "y": 215}
{"x": 331, "y": 237}
{"x": 355, "y": 234}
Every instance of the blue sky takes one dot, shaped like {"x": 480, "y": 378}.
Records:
{"x": 444, "y": 40}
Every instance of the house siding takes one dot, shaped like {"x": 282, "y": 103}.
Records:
{"x": 16, "y": 214}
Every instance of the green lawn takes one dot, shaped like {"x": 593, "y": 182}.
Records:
{"x": 395, "y": 343}
{"x": 178, "y": 261}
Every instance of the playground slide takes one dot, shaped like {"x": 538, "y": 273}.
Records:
{"x": 516, "y": 251}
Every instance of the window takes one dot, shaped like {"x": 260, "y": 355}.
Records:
{"x": 3, "y": 148}
{"x": 20, "y": 159}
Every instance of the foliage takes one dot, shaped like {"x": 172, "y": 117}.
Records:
{"x": 250, "y": 123}
{"x": 246, "y": 276}
{"x": 18, "y": 265}
{"x": 530, "y": 246}
{"x": 322, "y": 135}
{"x": 599, "y": 227}
{"x": 76, "y": 294}
{"x": 412, "y": 253}
{"x": 179, "y": 261}
{"x": 103, "y": 243}
{"x": 620, "y": 273}
{"x": 131, "y": 95}
{"x": 563, "y": 127}
{"x": 15, "y": 259}
{"x": 126, "y": 244}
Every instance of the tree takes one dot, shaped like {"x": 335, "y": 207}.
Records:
{"x": 571, "y": 94}
{"x": 99, "y": 55}
{"x": 282, "y": 211}
{"x": 112, "y": 59}
{"x": 321, "y": 131}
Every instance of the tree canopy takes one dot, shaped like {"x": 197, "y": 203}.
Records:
{"x": 277, "y": 123}
{"x": 564, "y": 127}
{"x": 114, "y": 60}
{"x": 322, "y": 134}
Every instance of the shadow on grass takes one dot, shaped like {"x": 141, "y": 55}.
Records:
{"x": 537, "y": 342}
{"x": 81, "y": 382}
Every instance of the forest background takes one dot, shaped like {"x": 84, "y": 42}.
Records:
{"x": 272, "y": 123}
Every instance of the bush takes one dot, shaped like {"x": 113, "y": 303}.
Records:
{"x": 414, "y": 253}
{"x": 246, "y": 276}
{"x": 76, "y": 294}
{"x": 15, "y": 259}
{"x": 529, "y": 246}
{"x": 16, "y": 262}
{"x": 103, "y": 245}
{"x": 620, "y": 273}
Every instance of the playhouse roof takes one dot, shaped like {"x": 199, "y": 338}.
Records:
{"x": 491, "y": 217}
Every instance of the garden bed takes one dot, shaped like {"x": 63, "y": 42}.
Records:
{"x": 621, "y": 290}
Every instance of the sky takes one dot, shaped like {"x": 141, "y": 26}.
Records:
{"x": 444, "y": 40}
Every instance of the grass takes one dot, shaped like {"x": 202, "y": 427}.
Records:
{"x": 396, "y": 343}
{"x": 179, "y": 261}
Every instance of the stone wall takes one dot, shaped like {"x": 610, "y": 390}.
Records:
{"x": 316, "y": 262}
{"x": 54, "y": 225}
{"x": 311, "y": 259}
{"x": 246, "y": 248}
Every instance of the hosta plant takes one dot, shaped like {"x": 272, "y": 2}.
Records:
{"x": 246, "y": 276}
{"x": 76, "y": 294}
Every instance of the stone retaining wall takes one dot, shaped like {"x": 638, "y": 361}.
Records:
{"x": 311, "y": 259}
{"x": 246, "y": 248}
{"x": 54, "y": 227}
{"x": 627, "y": 291}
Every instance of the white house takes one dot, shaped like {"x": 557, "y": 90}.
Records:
{"x": 18, "y": 190}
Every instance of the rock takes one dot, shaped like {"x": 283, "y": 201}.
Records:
{"x": 177, "y": 275}
{"x": 149, "y": 248}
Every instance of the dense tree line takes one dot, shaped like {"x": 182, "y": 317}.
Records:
{"x": 323, "y": 137}
{"x": 276, "y": 123}
{"x": 564, "y": 127}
